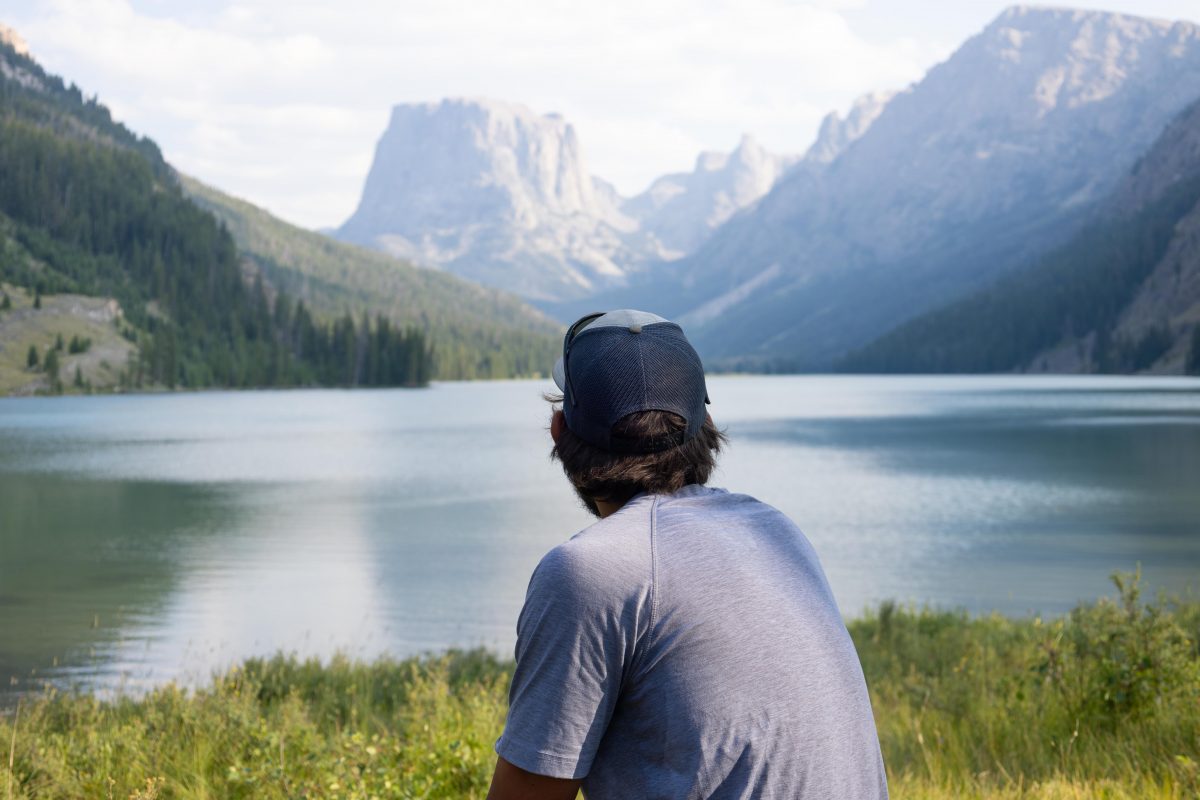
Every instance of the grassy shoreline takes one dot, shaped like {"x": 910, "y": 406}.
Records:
{"x": 1103, "y": 702}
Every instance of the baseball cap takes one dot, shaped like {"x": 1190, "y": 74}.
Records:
{"x": 617, "y": 363}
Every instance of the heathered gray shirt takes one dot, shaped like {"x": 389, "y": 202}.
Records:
{"x": 688, "y": 646}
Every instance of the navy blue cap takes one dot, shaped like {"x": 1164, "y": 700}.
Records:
{"x": 618, "y": 363}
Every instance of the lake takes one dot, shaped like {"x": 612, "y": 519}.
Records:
{"x": 153, "y": 537}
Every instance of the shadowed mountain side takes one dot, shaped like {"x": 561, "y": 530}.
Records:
{"x": 477, "y": 332}
{"x": 1122, "y": 296}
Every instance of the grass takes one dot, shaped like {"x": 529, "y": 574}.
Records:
{"x": 1101, "y": 703}
{"x": 61, "y": 315}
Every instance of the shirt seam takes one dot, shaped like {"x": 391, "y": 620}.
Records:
{"x": 508, "y": 741}
{"x": 653, "y": 572}
{"x": 532, "y": 757}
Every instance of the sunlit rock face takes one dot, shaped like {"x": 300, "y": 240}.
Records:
{"x": 994, "y": 156}
{"x": 502, "y": 195}
{"x": 11, "y": 38}
{"x": 493, "y": 192}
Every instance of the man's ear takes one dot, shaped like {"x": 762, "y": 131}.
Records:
{"x": 558, "y": 423}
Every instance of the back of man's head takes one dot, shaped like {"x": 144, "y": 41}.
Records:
{"x": 633, "y": 415}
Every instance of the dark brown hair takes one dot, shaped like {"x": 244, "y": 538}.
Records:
{"x": 613, "y": 477}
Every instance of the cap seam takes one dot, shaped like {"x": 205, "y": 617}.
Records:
{"x": 642, "y": 364}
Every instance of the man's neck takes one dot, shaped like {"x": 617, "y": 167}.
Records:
{"x": 604, "y": 508}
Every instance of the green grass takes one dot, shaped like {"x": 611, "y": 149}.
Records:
{"x": 1101, "y": 703}
{"x": 65, "y": 316}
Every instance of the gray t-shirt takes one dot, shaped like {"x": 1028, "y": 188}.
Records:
{"x": 688, "y": 646}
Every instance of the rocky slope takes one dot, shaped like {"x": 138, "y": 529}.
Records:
{"x": 681, "y": 210}
{"x": 60, "y": 318}
{"x": 997, "y": 155}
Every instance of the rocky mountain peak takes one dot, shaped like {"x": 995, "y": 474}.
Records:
{"x": 495, "y": 192}
{"x": 498, "y": 193}
{"x": 837, "y": 132}
{"x": 11, "y": 38}
{"x": 680, "y": 210}
{"x": 1063, "y": 59}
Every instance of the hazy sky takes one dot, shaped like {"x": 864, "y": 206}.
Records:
{"x": 281, "y": 101}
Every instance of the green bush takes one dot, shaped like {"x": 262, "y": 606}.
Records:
{"x": 1107, "y": 693}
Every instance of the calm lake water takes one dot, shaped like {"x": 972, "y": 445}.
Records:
{"x": 147, "y": 538}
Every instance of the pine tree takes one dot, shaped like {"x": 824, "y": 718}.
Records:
{"x": 52, "y": 364}
{"x": 58, "y": 343}
{"x": 1193, "y": 362}
{"x": 31, "y": 360}
{"x": 78, "y": 377}
{"x": 6, "y": 303}
{"x": 37, "y": 299}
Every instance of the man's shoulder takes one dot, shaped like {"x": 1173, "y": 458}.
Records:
{"x": 610, "y": 556}
{"x": 699, "y": 504}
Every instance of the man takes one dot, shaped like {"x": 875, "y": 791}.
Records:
{"x": 687, "y": 644}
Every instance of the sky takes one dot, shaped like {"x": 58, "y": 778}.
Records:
{"x": 281, "y": 102}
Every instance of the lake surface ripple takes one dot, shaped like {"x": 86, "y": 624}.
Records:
{"x": 153, "y": 537}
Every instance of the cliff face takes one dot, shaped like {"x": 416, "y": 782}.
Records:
{"x": 493, "y": 192}
{"x": 501, "y": 195}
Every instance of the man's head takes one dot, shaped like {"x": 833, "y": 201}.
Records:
{"x": 633, "y": 415}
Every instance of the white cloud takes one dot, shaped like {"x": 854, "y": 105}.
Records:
{"x": 282, "y": 102}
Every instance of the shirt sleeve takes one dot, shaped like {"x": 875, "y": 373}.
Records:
{"x": 575, "y": 638}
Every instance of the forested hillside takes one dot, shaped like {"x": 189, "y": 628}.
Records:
{"x": 1122, "y": 296}
{"x": 476, "y": 332}
{"x": 91, "y": 209}
{"x": 88, "y": 208}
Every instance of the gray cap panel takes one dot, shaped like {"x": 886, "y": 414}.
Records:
{"x": 627, "y": 361}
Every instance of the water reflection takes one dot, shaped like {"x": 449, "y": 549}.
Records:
{"x": 154, "y": 537}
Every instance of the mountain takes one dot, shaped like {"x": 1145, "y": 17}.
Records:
{"x": 475, "y": 331}
{"x": 996, "y": 156}
{"x": 681, "y": 210}
{"x": 495, "y": 193}
{"x": 837, "y": 133}
{"x": 1122, "y": 296}
{"x": 501, "y": 195}
{"x": 12, "y": 39}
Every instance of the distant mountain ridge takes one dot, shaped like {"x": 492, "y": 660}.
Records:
{"x": 682, "y": 209}
{"x": 495, "y": 193}
{"x": 499, "y": 194}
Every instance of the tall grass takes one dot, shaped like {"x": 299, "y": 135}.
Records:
{"x": 1103, "y": 703}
